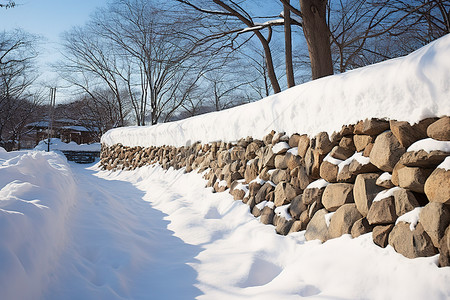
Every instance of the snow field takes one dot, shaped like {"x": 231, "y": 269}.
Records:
{"x": 37, "y": 193}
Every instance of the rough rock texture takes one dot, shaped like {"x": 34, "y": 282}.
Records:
{"x": 437, "y": 187}
{"x": 336, "y": 195}
{"x": 382, "y": 212}
{"x": 380, "y": 234}
{"x": 422, "y": 158}
{"x": 444, "y": 249}
{"x": 283, "y": 226}
{"x": 360, "y": 227}
{"x": 342, "y": 220}
{"x": 329, "y": 171}
{"x": 409, "y": 243}
{"x": 317, "y": 228}
{"x": 371, "y": 126}
{"x": 323, "y": 143}
{"x": 312, "y": 195}
{"x": 297, "y": 207}
{"x": 440, "y": 130}
{"x": 267, "y": 215}
{"x": 412, "y": 178}
{"x": 365, "y": 190}
{"x": 284, "y": 193}
{"x": 361, "y": 141}
{"x": 435, "y": 218}
{"x": 405, "y": 133}
{"x": 303, "y": 145}
{"x": 386, "y": 151}
{"x": 405, "y": 201}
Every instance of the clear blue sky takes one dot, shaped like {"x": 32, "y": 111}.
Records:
{"x": 48, "y": 18}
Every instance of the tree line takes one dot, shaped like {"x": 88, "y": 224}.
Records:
{"x": 139, "y": 62}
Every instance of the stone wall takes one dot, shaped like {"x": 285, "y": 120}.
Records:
{"x": 361, "y": 179}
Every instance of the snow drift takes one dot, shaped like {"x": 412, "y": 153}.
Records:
{"x": 36, "y": 192}
{"x": 408, "y": 88}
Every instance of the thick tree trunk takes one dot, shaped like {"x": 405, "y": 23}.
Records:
{"x": 288, "y": 46}
{"x": 317, "y": 36}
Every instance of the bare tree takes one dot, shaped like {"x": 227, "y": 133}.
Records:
{"x": 17, "y": 74}
{"x": 8, "y": 4}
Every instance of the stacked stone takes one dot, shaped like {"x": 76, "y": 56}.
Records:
{"x": 359, "y": 180}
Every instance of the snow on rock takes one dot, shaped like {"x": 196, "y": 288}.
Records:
{"x": 293, "y": 151}
{"x": 418, "y": 81}
{"x": 277, "y": 148}
{"x": 318, "y": 184}
{"x": 386, "y": 193}
{"x": 283, "y": 212}
{"x": 328, "y": 217}
{"x": 445, "y": 164}
{"x": 411, "y": 217}
{"x": 385, "y": 177}
{"x": 37, "y": 191}
{"x": 57, "y": 144}
{"x": 429, "y": 145}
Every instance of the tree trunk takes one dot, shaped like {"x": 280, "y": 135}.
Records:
{"x": 288, "y": 46}
{"x": 317, "y": 36}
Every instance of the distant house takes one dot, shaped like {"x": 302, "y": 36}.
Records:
{"x": 65, "y": 129}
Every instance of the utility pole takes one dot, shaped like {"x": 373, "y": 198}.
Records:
{"x": 52, "y": 107}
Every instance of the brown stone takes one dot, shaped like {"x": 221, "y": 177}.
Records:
{"x": 347, "y": 130}
{"x": 313, "y": 160}
{"x": 386, "y": 151}
{"x": 267, "y": 139}
{"x": 238, "y": 194}
{"x": 280, "y": 161}
{"x": 404, "y": 132}
{"x": 303, "y": 178}
{"x": 371, "y": 126}
{"x": 345, "y": 175}
{"x": 435, "y": 218}
{"x": 293, "y": 161}
{"x": 253, "y": 188}
{"x": 437, "y": 186}
{"x": 296, "y": 226}
{"x": 336, "y": 195}
{"x": 411, "y": 178}
{"x": 284, "y": 193}
{"x": 382, "y": 212}
{"x": 440, "y": 130}
{"x": 262, "y": 192}
{"x": 368, "y": 150}
{"x": 237, "y": 153}
{"x": 341, "y": 153}
{"x": 312, "y": 195}
{"x": 293, "y": 140}
{"x": 329, "y": 171}
{"x": 317, "y": 228}
{"x": 380, "y": 234}
{"x": 250, "y": 151}
{"x": 360, "y": 227}
{"x": 405, "y": 201}
{"x": 444, "y": 249}
{"x": 297, "y": 207}
{"x": 313, "y": 208}
{"x": 342, "y": 220}
{"x": 347, "y": 143}
{"x": 279, "y": 137}
{"x": 264, "y": 174}
{"x": 323, "y": 143}
{"x": 283, "y": 226}
{"x": 361, "y": 141}
{"x": 278, "y": 176}
{"x": 409, "y": 243}
{"x": 251, "y": 170}
{"x": 303, "y": 145}
{"x": 356, "y": 168}
{"x": 385, "y": 182}
{"x": 423, "y": 159}
{"x": 304, "y": 219}
{"x": 267, "y": 215}
{"x": 365, "y": 190}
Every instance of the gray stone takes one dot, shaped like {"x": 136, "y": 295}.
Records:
{"x": 342, "y": 220}
{"x": 386, "y": 151}
{"x": 262, "y": 192}
{"x": 411, "y": 244}
{"x": 267, "y": 215}
{"x": 336, "y": 195}
{"x": 435, "y": 218}
{"x": 283, "y": 226}
{"x": 365, "y": 190}
{"x": 317, "y": 228}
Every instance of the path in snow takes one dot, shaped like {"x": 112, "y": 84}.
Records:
{"x": 120, "y": 247}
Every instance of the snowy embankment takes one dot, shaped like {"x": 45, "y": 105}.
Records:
{"x": 37, "y": 191}
{"x": 57, "y": 144}
{"x": 408, "y": 88}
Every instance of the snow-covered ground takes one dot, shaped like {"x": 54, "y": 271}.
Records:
{"x": 73, "y": 232}
{"x": 409, "y": 88}
{"x": 58, "y": 145}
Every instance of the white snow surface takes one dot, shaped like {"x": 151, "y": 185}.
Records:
{"x": 408, "y": 88}
{"x": 385, "y": 194}
{"x": 445, "y": 164}
{"x": 57, "y": 144}
{"x": 429, "y": 145}
{"x": 411, "y": 217}
{"x": 156, "y": 234}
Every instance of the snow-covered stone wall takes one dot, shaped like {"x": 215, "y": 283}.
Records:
{"x": 390, "y": 178}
